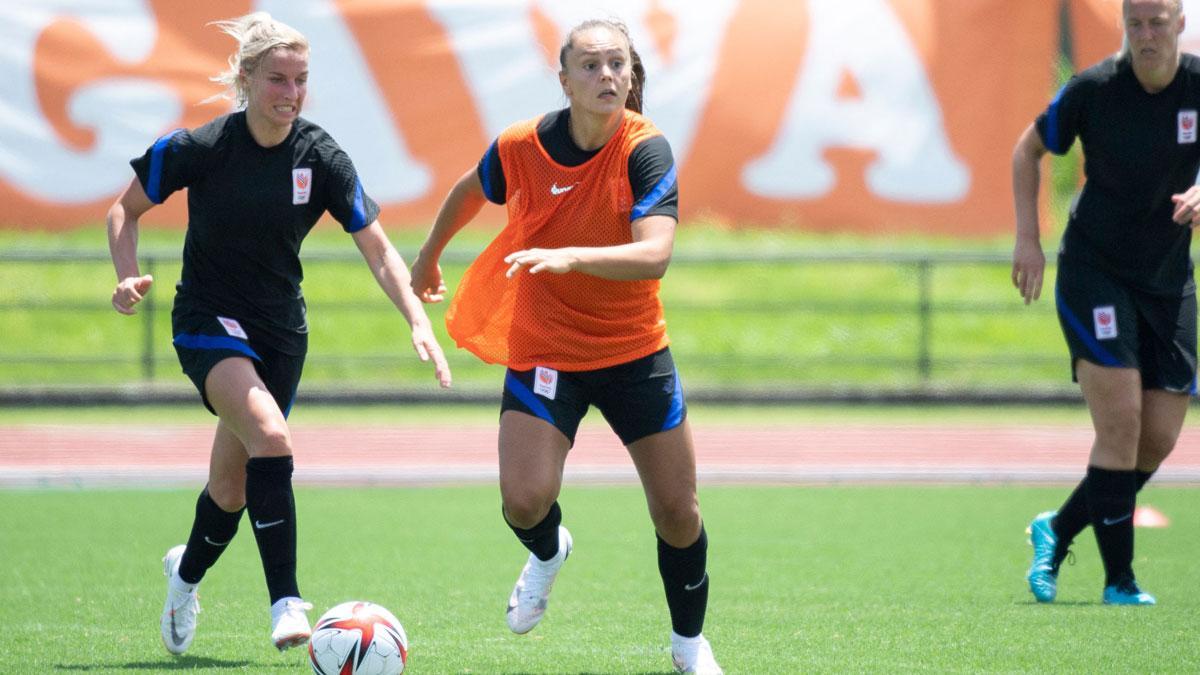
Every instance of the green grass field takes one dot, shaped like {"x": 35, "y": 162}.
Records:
{"x": 824, "y": 579}
{"x": 770, "y": 324}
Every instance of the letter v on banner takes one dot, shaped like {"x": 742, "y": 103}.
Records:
{"x": 898, "y": 116}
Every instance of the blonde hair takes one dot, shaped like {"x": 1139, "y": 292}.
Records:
{"x": 257, "y": 34}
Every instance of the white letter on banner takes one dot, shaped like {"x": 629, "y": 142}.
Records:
{"x": 345, "y": 101}
{"x": 898, "y": 116}
{"x": 511, "y": 79}
{"x": 124, "y": 113}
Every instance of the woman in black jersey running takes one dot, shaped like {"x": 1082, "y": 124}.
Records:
{"x": 1125, "y": 295}
{"x": 258, "y": 180}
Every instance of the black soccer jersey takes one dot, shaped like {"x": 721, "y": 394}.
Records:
{"x": 649, "y": 163}
{"x": 249, "y": 208}
{"x": 1139, "y": 149}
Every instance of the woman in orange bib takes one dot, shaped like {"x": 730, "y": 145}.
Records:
{"x": 566, "y": 297}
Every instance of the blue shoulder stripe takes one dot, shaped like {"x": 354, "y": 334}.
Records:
{"x": 359, "y": 218}
{"x": 154, "y": 184}
{"x": 652, "y": 198}
{"x": 486, "y": 174}
{"x": 1052, "y": 140}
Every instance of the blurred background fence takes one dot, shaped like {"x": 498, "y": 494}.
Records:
{"x": 759, "y": 327}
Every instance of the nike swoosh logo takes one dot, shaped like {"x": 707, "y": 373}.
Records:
{"x": 259, "y": 525}
{"x": 698, "y": 584}
{"x": 210, "y": 542}
{"x": 1114, "y": 521}
{"x": 555, "y": 190}
{"x": 175, "y": 636}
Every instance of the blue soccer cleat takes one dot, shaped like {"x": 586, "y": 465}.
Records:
{"x": 1126, "y": 592}
{"x": 1043, "y": 577}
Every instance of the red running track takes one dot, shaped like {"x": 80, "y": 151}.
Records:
{"x": 110, "y": 455}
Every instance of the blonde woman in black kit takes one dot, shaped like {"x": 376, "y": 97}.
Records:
{"x": 1125, "y": 294}
{"x": 258, "y": 180}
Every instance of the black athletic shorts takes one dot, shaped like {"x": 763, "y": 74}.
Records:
{"x": 202, "y": 340}
{"x": 638, "y": 398}
{"x": 1107, "y": 323}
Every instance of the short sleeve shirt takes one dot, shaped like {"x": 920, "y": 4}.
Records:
{"x": 649, "y": 163}
{"x": 249, "y": 209}
{"x": 1139, "y": 149}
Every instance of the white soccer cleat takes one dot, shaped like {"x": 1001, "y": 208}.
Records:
{"x": 179, "y": 612}
{"x": 289, "y": 623}
{"x": 529, "y": 597}
{"x": 693, "y": 655}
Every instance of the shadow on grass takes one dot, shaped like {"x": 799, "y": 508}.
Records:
{"x": 180, "y": 663}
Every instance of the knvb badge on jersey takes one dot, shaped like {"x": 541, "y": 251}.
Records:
{"x": 301, "y": 185}
{"x": 1187, "y": 126}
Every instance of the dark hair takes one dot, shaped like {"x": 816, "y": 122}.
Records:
{"x": 638, "y": 83}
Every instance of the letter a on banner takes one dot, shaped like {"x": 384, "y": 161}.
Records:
{"x": 897, "y": 115}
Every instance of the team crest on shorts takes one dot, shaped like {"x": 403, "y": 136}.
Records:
{"x": 1187, "y": 126}
{"x": 1105, "y": 319}
{"x": 545, "y": 382}
{"x": 233, "y": 327}
{"x": 301, "y": 185}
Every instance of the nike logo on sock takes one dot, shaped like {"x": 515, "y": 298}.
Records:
{"x": 210, "y": 542}
{"x": 259, "y": 525}
{"x": 1114, "y": 521}
{"x": 698, "y": 584}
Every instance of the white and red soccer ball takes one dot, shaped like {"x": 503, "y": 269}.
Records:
{"x": 358, "y": 638}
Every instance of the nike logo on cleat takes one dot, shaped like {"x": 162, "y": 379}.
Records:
{"x": 175, "y": 636}
{"x": 259, "y": 525}
{"x": 1114, "y": 521}
{"x": 698, "y": 584}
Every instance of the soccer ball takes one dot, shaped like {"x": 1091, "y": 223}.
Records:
{"x": 358, "y": 638}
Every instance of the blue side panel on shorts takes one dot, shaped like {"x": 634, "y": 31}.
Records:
{"x": 291, "y": 401}
{"x": 154, "y": 187}
{"x": 675, "y": 414}
{"x": 1102, "y": 355}
{"x": 191, "y": 341}
{"x": 527, "y": 397}
{"x": 653, "y": 196}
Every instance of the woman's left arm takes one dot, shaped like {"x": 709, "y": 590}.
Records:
{"x": 392, "y": 275}
{"x": 646, "y": 257}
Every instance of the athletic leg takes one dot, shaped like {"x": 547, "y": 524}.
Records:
{"x": 251, "y": 413}
{"x": 532, "y": 456}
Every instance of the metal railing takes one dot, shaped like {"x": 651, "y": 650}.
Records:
{"x": 908, "y": 296}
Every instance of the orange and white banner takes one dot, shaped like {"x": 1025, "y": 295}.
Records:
{"x": 851, "y": 115}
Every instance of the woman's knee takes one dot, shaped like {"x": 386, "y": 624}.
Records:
{"x": 525, "y": 508}
{"x": 677, "y": 520}
{"x": 228, "y": 493}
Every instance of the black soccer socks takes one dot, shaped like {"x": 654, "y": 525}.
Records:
{"x": 1111, "y": 497}
{"x": 1073, "y": 515}
{"x": 685, "y": 580}
{"x": 541, "y": 539}
{"x": 272, "y": 509}
{"x": 212, "y": 530}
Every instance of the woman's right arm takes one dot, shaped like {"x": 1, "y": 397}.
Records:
{"x": 462, "y": 204}
{"x": 1029, "y": 262}
{"x": 122, "y": 244}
